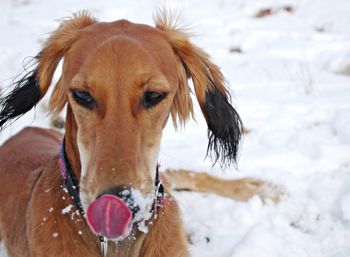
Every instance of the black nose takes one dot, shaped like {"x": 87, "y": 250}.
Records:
{"x": 124, "y": 193}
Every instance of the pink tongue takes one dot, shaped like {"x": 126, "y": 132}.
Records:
{"x": 109, "y": 216}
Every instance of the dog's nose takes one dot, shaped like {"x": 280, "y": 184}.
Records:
{"x": 124, "y": 193}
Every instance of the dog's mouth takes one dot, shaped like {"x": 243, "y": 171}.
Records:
{"x": 109, "y": 217}
{"x": 114, "y": 217}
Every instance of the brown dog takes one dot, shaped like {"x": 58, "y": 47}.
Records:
{"x": 98, "y": 192}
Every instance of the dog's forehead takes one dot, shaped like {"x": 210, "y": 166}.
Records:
{"x": 101, "y": 35}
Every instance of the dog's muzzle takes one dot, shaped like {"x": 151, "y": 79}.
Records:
{"x": 112, "y": 214}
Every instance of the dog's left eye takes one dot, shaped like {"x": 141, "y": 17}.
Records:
{"x": 83, "y": 98}
{"x": 151, "y": 98}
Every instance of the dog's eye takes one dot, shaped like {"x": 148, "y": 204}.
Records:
{"x": 151, "y": 98}
{"x": 83, "y": 98}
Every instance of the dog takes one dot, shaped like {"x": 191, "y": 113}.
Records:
{"x": 96, "y": 190}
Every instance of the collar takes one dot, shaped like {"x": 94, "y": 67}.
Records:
{"x": 159, "y": 195}
{"x": 70, "y": 181}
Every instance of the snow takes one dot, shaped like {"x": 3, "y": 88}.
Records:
{"x": 67, "y": 209}
{"x": 54, "y": 235}
{"x": 289, "y": 74}
{"x": 144, "y": 203}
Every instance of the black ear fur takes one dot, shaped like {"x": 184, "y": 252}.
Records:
{"x": 224, "y": 128}
{"x": 24, "y": 96}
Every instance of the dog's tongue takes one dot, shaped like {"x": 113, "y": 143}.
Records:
{"x": 109, "y": 216}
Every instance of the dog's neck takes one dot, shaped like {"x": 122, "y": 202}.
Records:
{"x": 130, "y": 246}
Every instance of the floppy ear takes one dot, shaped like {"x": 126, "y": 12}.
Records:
{"x": 224, "y": 123}
{"x": 32, "y": 87}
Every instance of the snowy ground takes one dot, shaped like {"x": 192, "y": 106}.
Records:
{"x": 289, "y": 73}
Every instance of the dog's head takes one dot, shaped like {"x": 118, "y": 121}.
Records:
{"x": 120, "y": 82}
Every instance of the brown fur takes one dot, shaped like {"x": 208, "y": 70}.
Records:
{"x": 116, "y": 143}
{"x": 192, "y": 62}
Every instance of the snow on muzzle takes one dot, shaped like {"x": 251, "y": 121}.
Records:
{"x": 109, "y": 216}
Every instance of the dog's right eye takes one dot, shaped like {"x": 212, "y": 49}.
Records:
{"x": 151, "y": 98}
{"x": 83, "y": 98}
